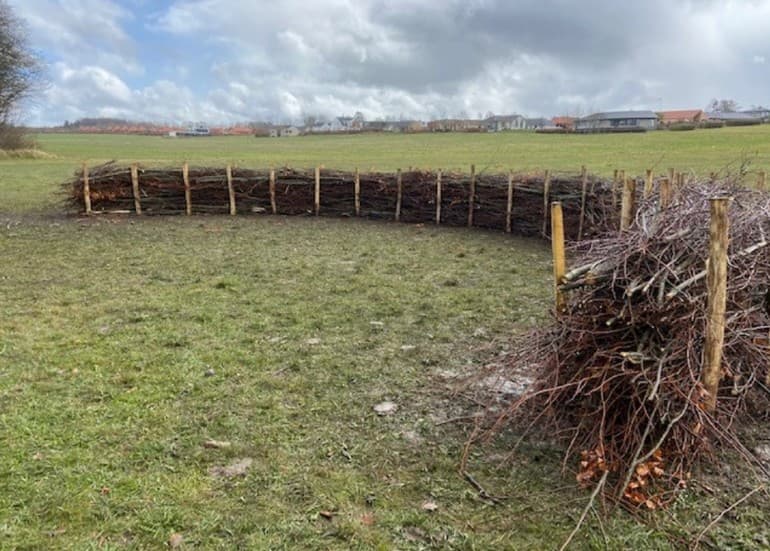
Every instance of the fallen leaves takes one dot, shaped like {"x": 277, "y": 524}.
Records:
{"x": 385, "y": 408}
{"x": 429, "y": 506}
{"x": 175, "y": 540}
{"x": 216, "y": 444}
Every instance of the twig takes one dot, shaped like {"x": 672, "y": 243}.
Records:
{"x": 696, "y": 541}
{"x": 588, "y": 508}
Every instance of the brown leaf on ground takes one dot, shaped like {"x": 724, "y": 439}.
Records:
{"x": 175, "y": 540}
{"x": 216, "y": 444}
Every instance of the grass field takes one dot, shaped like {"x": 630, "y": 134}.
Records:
{"x": 126, "y": 344}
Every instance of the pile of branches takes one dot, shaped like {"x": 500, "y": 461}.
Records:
{"x": 162, "y": 192}
{"x": 618, "y": 375}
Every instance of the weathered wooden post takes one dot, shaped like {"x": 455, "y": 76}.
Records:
{"x": 230, "y": 189}
{"x": 648, "y": 183}
{"x": 583, "y": 193}
{"x": 438, "y": 196}
{"x": 628, "y": 205}
{"x": 509, "y": 206}
{"x": 716, "y": 282}
{"x": 762, "y": 181}
{"x": 317, "y": 195}
{"x": 135, "y": 188}
{"x": 86, "y": 189}
{"x": 357, "y": 191}
{"x": 665, "y": 193}
{"x": 187, "y": 192}
{"x": 273, "y": 205}
{"x": 471, "y": 195}
{"x": 559, "y": 259}
{"x": 399, "y": 188}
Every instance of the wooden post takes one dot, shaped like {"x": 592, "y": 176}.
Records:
{"x": 357, "y": 191}
{"x": 762, "y": 181}
{"x": 86, "y": 189}
{"x": 135, "y": 187}
{"x": 546, "y": 199}
{"x": 648, "y": 183}
{"x": 399, "y": 188}
{"x": 559, "y": 259}
{"x": 317, "y": 190}
{"x": 583, "y": 193}
{"x": 665, "y": 193}
{"x": 187, "y": 192}
{"x": 438, "y": 197}
{"x": 273, "y": 205}
{"x": 230, "y": 189}
{"x": 471, "y": 195}
{"x": 671, "y": 174}
{"x": 509, "y": 206}
{"x": 716, "y": 282}
{"x": 627, "y": 207}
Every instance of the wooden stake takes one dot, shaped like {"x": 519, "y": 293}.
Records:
{"x": 187, "y": 192}
{"x": 716, "y": 282}
{"x": 671, "y": 174}
{"x": 135, "y": 187}
{"x": 317, "y": 190}
{"x": 230, "y": 189}
{"x": 762, "y": 181}
{"x": 399, "y": 188}
{"x": 509, "y": 206}
{"x": 559, "y": 259}
{"x": 665, "y": 193}
{"x": 357, "y": 191}
{"x": 648, "y": 183}
{"x": 546, "y": 199}
{"x": 438, "y": 196}
{"x": 583, "y": 193}
{"x": 627, "y": 207}
{"x": 273, "y": 206}
{"x": 471, "y": 195}
{"x": 86, "y": 189}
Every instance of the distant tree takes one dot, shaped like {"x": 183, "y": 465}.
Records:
{"x": 723, "y": 106}
{"x": 20, "y": 69}
{"x": 310, "y": 121}
{"x": 489, "y": 115}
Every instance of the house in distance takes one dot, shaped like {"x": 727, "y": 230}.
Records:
{"x": 617, "y": 121}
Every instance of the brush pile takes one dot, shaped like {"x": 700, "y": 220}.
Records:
{"x": 618, "y": 374}
{"x": 162, "y": 192}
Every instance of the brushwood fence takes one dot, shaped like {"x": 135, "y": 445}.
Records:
{"x": 517, "y": 203}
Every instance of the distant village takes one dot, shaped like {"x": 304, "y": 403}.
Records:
{"x": 604, "y": 122}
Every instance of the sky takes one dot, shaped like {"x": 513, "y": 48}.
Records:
{"x": 228, "y": 61}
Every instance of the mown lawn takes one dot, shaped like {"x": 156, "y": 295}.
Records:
{"x": 126, "y": 344}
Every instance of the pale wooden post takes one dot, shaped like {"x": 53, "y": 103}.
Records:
{"x": 317, "y": 190}
{"x": 762, "y": 181}
{"x": 559, "y": 259}
{"x": 230, "y": 189}
{"x": 273, "y": 206}
{"x": 471, "y": 195}
{"x": 671, "y": 175}
{"x": 357, "y": 191}
{"x": 627, "y": 207}
{"x": 86, "y": 189}
{"x": 665, "y": 193}
{"x": 438, "y": 196}
{"x": 187, "y": 192}
{"x": 509, "y": 206}
{"x": 583, "y": 193}
{"x": 135, "y": 187}
{"x": 716, "y": 282}
{"x": 546, "y": 199}
{"x": 648, "y": 183}
{"x": 399, "y": 187}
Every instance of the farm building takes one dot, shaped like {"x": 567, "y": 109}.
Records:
{"x": 538, "y": 123}
{"x": 762, "y": 113}
{"x": 681, "y": 115}
{"x": 618, "y": 121}
{"x": 404, "y": 126}
{"x": 567, "y": 123}
{"x": 500, "y": 123}
{"x": 735, "y": 117}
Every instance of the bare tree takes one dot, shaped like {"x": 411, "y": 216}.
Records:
{"x": 723, "y": 106}
{"x": 20, "y": 70}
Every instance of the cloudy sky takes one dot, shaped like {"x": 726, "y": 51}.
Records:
{"x": 223, "y": 61}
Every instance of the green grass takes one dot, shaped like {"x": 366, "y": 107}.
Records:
{"x": 109, "y": 328}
